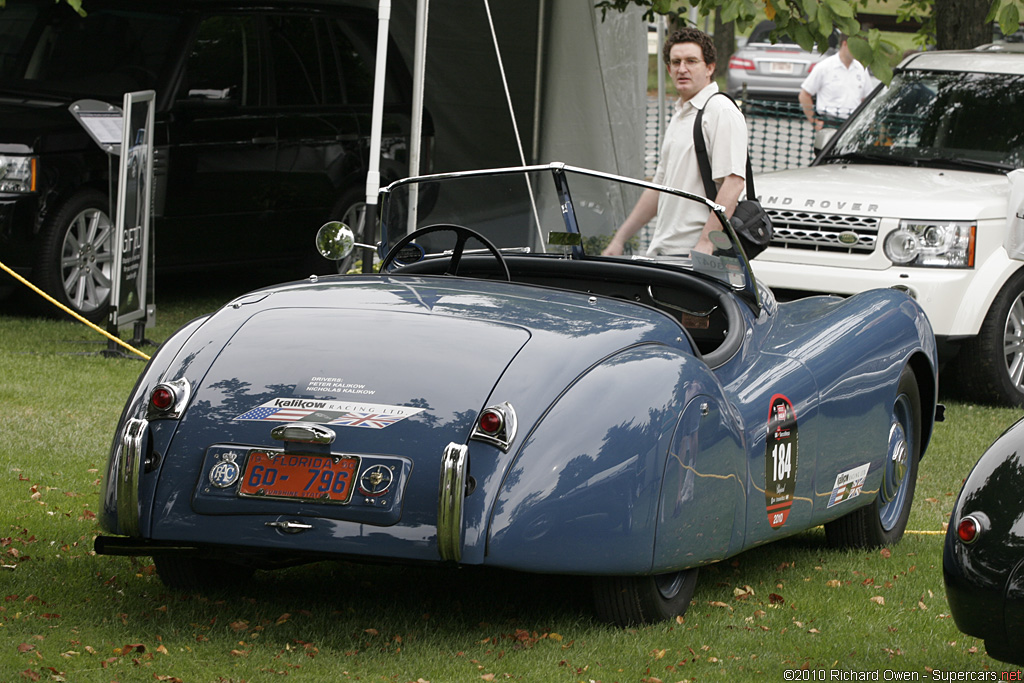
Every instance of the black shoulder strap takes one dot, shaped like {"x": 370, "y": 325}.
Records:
{"x": 704, "y": 164}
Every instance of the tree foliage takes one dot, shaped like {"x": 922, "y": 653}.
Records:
{"x": 74, "y": 4}
{"x": 811, "y": 22}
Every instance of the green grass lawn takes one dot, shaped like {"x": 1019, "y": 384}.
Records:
{"x": 69, "y": 615}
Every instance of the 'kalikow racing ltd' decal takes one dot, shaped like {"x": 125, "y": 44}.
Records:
{"x": 780, "y": 461}
{"x": 340, "y": 413}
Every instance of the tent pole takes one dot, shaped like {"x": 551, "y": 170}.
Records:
{"x": 376, "y": 122}
{"x": 418, "y": 80}
{"x": 662, "y": 110}
{"x": 538, "y": 93}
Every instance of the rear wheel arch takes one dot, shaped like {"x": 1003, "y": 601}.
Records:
{"x": 884, "y": 520}
{"x": 74, "y": 253}
{"x": 989, "y": 367}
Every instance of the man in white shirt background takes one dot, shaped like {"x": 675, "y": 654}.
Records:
{"x": 684, "y": 225}
{"x": 835, "y": 87}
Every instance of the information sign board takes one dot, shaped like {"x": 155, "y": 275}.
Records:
{"x": 130, "y": 290}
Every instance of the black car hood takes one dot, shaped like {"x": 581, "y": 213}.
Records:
{"x": 40, "y": 122}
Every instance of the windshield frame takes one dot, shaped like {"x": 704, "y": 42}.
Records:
{"x": 561, "y": 173}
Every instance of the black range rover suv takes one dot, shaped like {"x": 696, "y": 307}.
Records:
{"x": 262, "y": 131}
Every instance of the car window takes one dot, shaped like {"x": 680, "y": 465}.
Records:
{"x": 14, "y": 30}
{"x": 925, "y": 115}
{"x": 318, "y": 60}
{"x": 304, "y": 68}
{"x": 107, "y": 52}
{"x": 354, "y": 52}
{"x": 224, "y": 62}
{"x": 762, "y": 34}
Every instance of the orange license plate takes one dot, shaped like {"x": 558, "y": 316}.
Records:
{"x": 284, "y": 475}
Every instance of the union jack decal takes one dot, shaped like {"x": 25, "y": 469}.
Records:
{"x": 368, "y": 420}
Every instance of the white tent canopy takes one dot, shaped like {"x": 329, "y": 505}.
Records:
{"x": 577, "y": 84}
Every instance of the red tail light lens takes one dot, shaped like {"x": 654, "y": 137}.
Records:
{"x": 968, "y": 529}
{"x": 741, "y": 64}
{"x": 162, "y": 398}
{"x": 491, "y": 421}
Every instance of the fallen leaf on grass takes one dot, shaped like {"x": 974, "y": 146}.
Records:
{"x": 878, "y": 599}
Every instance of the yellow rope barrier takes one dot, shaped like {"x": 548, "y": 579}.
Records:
{"x": 67, "y": 310}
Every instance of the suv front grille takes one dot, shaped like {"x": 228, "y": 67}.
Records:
{"x": 824, "y": 232}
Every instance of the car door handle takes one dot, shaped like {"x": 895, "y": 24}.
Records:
{"x": 267, "y": 140}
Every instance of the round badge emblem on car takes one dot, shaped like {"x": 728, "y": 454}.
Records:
{"x": 225, "y": 473}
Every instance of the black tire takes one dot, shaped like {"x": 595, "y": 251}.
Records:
{"x": 199, "y": 573}
{"x": 75, "y": 260}
{"x": 633, "y": 600}
{"x": 884, "y": 521}
{"x": 990, "y": 367}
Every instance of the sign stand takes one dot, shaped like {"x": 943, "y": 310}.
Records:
{"x": 128, "y": 134}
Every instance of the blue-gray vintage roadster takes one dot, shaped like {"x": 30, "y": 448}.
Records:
{"x": 502, "y": 395}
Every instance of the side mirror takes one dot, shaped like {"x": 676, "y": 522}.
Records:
{"x": 335, "y": 241}
{"x": 821, "y": 139}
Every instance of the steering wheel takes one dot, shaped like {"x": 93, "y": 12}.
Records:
{"x": 462, "y": 234}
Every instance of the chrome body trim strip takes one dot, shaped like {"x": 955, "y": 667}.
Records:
{"x": 133, "y": 440}
{"x": 454, "y": 465}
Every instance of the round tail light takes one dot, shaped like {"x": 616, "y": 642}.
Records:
{"x": 162, "y": 398}
{"x": 491, "y": 421}
{"x": 968, "y": 529}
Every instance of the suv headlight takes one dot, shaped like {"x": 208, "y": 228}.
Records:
{"x": 927, "y": 244}
{"x": 17, "y": 173}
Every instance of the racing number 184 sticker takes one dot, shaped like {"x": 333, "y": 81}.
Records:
{"x": 780, "y": 461}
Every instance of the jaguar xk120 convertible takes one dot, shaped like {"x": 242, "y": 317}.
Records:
{"x": 500, "y": 394}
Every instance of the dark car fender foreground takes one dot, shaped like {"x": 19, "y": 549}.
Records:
{"x": 984, "y": 568}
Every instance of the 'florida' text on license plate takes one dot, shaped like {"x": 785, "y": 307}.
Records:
{"x": 284, "y": 475}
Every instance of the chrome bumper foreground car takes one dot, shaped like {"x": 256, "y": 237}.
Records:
{"x": 983, "y": 561}
{"x": 502, "y": 395}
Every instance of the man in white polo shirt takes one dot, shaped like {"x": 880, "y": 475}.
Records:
{"x": 834, "y": 88}
{"x": 682, "y": 225}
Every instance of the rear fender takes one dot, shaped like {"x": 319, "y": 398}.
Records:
{"x": 583, "y": 493}
{"x": 136, "y": 438}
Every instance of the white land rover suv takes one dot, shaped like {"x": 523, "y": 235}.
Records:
{"x": 921, "y": 190}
